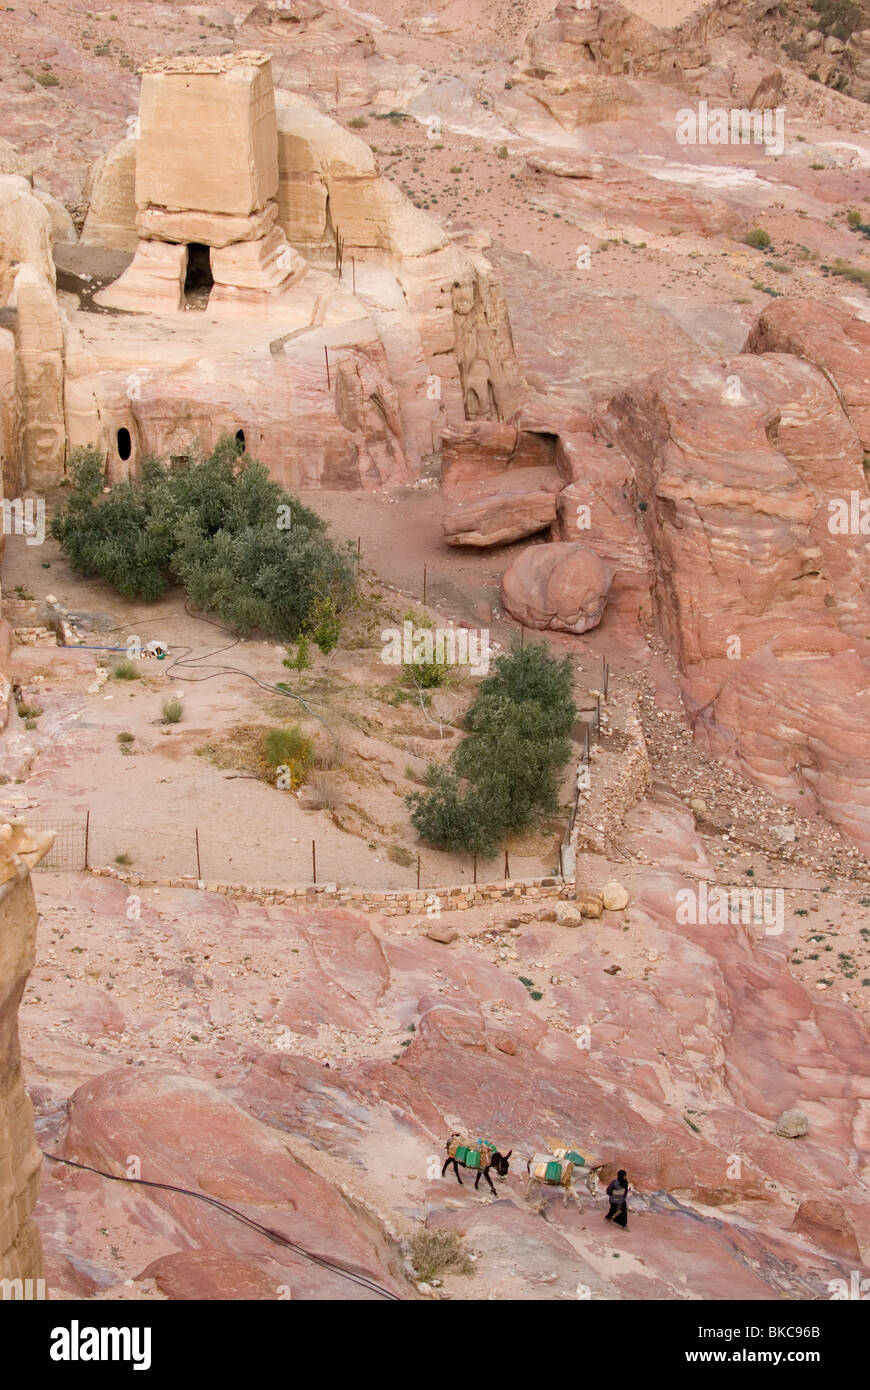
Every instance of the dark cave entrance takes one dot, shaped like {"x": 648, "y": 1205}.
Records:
{"x": 198, "y": 279}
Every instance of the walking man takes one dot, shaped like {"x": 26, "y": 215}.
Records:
{"x": 617, "y": 1191}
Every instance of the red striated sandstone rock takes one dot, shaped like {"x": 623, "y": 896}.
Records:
{"x": 562, "y": 586}
{"x": 597, "y": 508}
{"x": 189, "y": 1134}
{"x": 192, "y": 1274}
{"x": 765, "y": 607}
{"x": 796, "y": 715}
{"x": 826, "y": 1224}
{"x": 831, "y": 338}
{"x": 640, "y": 202}
{"x": 490, "y": 452}
{"x": 715, "y": 1023}
{"x": 499, "y": 518}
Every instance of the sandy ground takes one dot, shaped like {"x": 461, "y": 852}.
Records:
{"x": 147, "y": 796}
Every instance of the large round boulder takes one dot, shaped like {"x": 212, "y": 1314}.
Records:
{"x": 563, "y": 586}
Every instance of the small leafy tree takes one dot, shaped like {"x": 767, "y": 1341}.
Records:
{"x": 325, "y": 623}
{"x": 505, "y": 773}
{"x": 211, "y": 525}
{"x": 301, "y": 661}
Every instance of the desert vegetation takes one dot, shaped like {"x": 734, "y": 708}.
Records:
{"x": 240, "y": 546}
{"x": 504, "y": 775}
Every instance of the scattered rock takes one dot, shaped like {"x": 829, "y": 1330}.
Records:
{"x": 792, "y": 1124}
{"x": 443, "y": 934}
{"x": 589, "y": 904}
{"x": 614, "y": 896}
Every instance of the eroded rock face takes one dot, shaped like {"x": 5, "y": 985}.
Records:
{"x": 25, "y": 232}
{"x": 762, "y": 602}
{"x": 209, "y": 1274}
{"x": 578, "y": 45}
{"x": 190, "y": 1134}
{"x": 713, "y": 1021}
{"x": 607, "y": 38}
{"x": 507, "y": 516}
{"x": 20, "y": 1159}
{"x": 826, "y": 1223}
{"x": 110, "y": 193}
{"x": 345, "y": 434}
{"x": 835, "y": 341}
{"x": 858, "y": 56}
{"x": 562, "y": 586}
{"x": 13, "y": 162}
{"x": 640, "y": 202}
{"x": 329, "y": 178}
{"x": 34, "y": 427}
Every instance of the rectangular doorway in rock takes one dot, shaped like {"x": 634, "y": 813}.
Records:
{"x": 198, "y": 280}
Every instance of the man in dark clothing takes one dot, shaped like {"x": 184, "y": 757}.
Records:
{"x": 617, "y": 1191}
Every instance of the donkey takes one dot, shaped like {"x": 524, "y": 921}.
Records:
{"x": 557, "y": 1170}
{"x": 475, "y": 1154}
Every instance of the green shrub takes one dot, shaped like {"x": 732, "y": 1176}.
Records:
{"x": 288, "y": 747}
{"x": 505, "y": 774}
{"x": 853, "y": 218}
{"x": 358, "y": 122}
{"x": 126, "y": 737}
{"x": 173, "y": 709}
{"x": 212, "y": 525}
{"x": 125, "y": 671}
{"x": 758, "y": 238}
{"x": 26, "y": 711}
{"x": 452, "y": 816}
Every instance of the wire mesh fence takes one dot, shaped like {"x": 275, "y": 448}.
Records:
{"x": 82, "y": 843}
{"x": 70, "y": 848}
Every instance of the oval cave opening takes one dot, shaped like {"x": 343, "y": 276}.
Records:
{"x": 240, "y": 440}
{"x": 125, "y": 444}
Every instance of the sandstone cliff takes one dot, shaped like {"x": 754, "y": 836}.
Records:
{"x": 20, "y": 1248}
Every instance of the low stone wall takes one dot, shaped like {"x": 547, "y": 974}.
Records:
{"x": 618, "y": 780}
{"x": 389, "y": 902}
